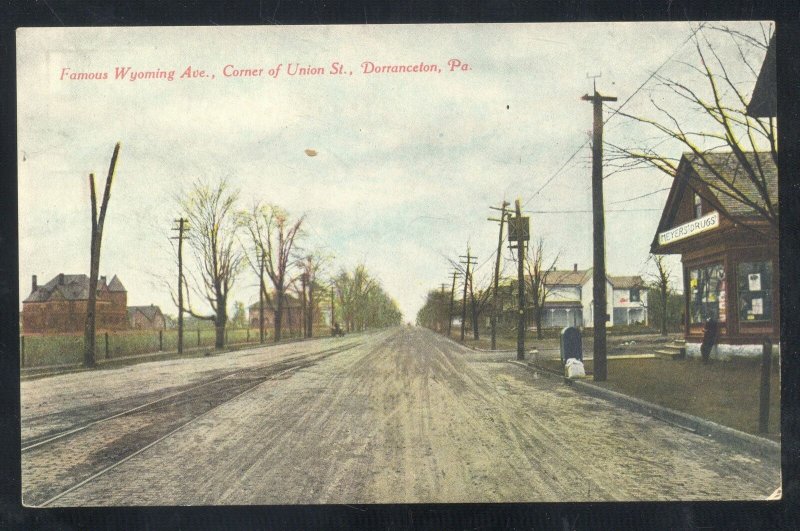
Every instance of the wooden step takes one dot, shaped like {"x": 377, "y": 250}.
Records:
{"x": 673, "y": 353}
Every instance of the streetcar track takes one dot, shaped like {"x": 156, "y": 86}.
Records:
{"x": 37, "y": 441}
{"x": 153, "y": 443}
{"x": 190, "y": 406}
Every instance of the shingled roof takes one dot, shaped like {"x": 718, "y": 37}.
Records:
{"x": 726, "y": 166}
{"x": 568, "y": 277}
{"x": 116, "y": 284}
{"x": 626, "y": 282}
{"x": 70, "y": 287}
{"x": 579, "y": 277}
{"x": 149, "y": 312}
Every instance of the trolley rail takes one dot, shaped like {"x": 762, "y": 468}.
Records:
{"x": 143, "y": 426}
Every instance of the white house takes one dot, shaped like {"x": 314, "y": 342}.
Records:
{"x": 569, "y": 300}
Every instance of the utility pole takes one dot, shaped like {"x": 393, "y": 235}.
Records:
{"x": 182, "y": 228}
{"x": 599, "y": 292}
{"x": 502, "y": 220}
{"x": 98, "y": 221}
{"x": 441, "y": 305}
{"x": 311, "y": 308}
{"x": 519, "y": 231}
{"x": 469, "y": 262}
{"x": 304, "y": 280}
{"x": 452, "y": 301}
{"x": 261, "y": 292}
{"x": 333, "y": 289}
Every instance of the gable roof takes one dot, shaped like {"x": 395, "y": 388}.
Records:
{"x": 568, "y": 277}
{"x": 66, "y": 287}
{"x": 149, "y": 312}
{"x": 580, "y": 277}
{"x": 626, "y": 282}
{"x": 694, "y": 173}
{"x": 116, "y": 285}
{"x": 727, "y": 166}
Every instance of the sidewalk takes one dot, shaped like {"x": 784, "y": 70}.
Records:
{"x": 719, "y": 400}
{"x": 43, "y": 371}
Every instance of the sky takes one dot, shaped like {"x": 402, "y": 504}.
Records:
{"x": 406, "y": 166}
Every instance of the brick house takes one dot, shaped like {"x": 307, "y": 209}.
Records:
{"x": 292, "y": 320}
{"x": 60, "y": 305}
{"x": 146, "y": 318}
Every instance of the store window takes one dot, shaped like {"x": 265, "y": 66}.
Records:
{"x": 707, "y": 294}
{"x": 754, "y": 289}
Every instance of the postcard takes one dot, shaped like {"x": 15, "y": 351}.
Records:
{"x": 278, "y": 265}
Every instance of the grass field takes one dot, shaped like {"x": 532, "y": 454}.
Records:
{"x": 725, "y": 392}
{"x": 507, "y": 340}
{"x": 42, "y": 350}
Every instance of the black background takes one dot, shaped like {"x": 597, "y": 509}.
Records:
{"x": 672, "y": 515}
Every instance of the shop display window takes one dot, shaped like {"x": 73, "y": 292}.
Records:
{"x": 754, "y": 290}
{"x": 707, "y": 294}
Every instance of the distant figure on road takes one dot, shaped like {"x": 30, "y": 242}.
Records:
{"x": 336, "y": 331}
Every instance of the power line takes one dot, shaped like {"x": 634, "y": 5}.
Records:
{"x": 587, "y": 211}
{"x": 639, "y": 197}
{"x": 651, "y": 76}
{"x": 615, "y": 111}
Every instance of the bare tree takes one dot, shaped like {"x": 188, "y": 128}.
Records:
{"x": 211, "y": 214}
{"x": 479, "y": 300}
{"x": 536, "y": 280}
{"x": 363, "y": 303}
{"x": 311, "y": 266}
{"x": 723, "y": 125}
{"x": 273, "y": 237}
{"x": 354, "y": 290}
{"x": 94, "y": 259}
{"x": 661, "y": 282}
{"x": 433, "y": 314}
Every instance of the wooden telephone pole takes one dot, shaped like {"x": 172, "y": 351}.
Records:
{"x": 98, "y": 220}
{"x": 310, "y": 317}
{"x": 469, "y": 262}
{"x": 182, "y": 229}
{"x": 502, "y": 220}
{"x": 519, "y": 231}
{"x": 452, "y": 301}
{"x": 600, "y": 310}
{"x": 441, "y": 302}
{"x": 262, "y": 290}
{"x": 333, "y": 289}
{"x": 304, "y": 281}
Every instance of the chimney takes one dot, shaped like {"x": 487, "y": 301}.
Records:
{"x": 575, "y": 267}
{"x": 103, "y": 280}
{"x": 61, "y": 279}
{"x": 34, "y": 286}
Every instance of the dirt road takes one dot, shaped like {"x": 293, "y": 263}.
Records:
{"x": 398, "y": 416}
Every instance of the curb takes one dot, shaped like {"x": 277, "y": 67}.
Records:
{"x": 530, "y": 352}
{"x": 758, "y": 446}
